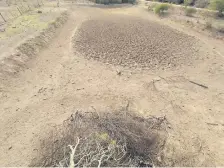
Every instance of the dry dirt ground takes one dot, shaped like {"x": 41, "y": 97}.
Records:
{"x": 199, "y": 21}
{"x": 106, "y": 58}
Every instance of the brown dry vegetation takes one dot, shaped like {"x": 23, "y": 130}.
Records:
{"x": 109, "y": 139}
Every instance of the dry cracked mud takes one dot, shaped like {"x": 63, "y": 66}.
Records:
{"x": 133, "y": 42}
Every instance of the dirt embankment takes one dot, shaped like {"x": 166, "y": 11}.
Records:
{"x": 17, "y": 61}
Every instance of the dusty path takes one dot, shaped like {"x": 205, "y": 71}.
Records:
{"x": 58, "y": 82}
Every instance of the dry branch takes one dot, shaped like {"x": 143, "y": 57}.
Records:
{"x": 2, "y": 17}
{"x": 110, "y": 139}
{"x": 206, "y": 87}
{"x": 19, "y": 11}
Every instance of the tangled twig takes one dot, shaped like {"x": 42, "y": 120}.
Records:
{"x": 119, "y": 140}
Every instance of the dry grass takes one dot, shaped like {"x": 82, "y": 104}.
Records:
{"x": 31, "y": 47}
{"x": 109, "y": 139}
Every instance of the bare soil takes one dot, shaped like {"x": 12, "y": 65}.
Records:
{"x": 198, "y": 21}
{"x": 59, "y": 79}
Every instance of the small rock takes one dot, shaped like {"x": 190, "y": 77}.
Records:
{"x": 80, "y": 89}
{"x": 118, "y": 72}
{"x": 39, "y": 11}
{"x": 10, "y": 147}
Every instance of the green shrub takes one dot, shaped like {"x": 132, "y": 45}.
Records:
{"x": 218, "y": 5}
{"x": 190, "y": 11}
{"x": 161, "y": 8}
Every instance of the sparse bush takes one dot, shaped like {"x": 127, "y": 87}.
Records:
{"x": 218, "y": 5}
{"x": 188, "y": 2}
{"x": 201, "y": 3}
{"x": 189, "y": 11}
{"x": 161, "y": 8}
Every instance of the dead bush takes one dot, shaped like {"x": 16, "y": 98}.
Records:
{"x": 160, "y": 9}
{"x": 109, "y": 139}
{"x": 201, "y": 3}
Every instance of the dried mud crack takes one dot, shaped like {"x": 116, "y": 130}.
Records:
{"x": 135, "y": 42}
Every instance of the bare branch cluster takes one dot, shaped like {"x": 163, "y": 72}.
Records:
{"x": 107, "y": 140}
{"x": 97, "y": 150}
